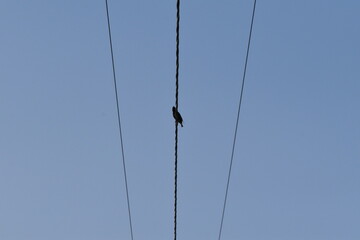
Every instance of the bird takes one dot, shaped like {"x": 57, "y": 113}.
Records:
{"x": 177, "y": 116}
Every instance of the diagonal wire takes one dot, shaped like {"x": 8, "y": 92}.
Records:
{"x": 118, "y": 117}
{"x": 237, "y": 119}
{"x": 176, "y": 104}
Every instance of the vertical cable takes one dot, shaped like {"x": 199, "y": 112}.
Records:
{"x": 175, "y": 189}
{"x": 177, "y": 53}
{"x": 176, "y": 106}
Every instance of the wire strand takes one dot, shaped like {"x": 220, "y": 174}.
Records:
{"x": 176, "y": 105}
{"x": 118, "y": 117}
{"x": 177, "y": 52}
{"x": 175, "y": 188}
{"x": 237, "y": 120}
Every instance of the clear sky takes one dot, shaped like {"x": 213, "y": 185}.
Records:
{"x": 297, "y": 158}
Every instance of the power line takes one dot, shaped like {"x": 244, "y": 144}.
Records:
{"x": 118, "y": 117}
{"x": 176, "y": 105}
{"x": 237, "y": 119}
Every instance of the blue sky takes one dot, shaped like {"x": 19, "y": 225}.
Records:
{"x": 297, "y": 158}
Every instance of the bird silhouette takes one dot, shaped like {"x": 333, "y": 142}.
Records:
{"x": 177, "y": 116}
